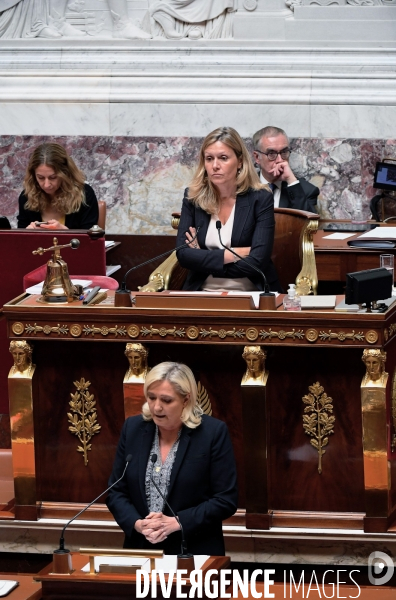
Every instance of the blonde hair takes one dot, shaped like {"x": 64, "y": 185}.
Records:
{"x": 202, "y": 192}
{"x": 70, "y": 195}
{"x": 183, "y": 382}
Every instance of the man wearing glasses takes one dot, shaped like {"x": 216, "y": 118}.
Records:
{"x": 271, "y": 154}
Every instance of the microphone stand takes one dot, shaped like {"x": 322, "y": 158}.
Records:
{"x": 185, "y": 560}
{"x": 123, "y": 295}
{"x": 267, "y": 298}
{"x": 62, "y": 563}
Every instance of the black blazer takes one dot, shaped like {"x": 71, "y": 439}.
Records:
{"x": 84, "y": 218}
{"x": 303, "y": 195}
{"x": 202, "y": 490}
{"x": 254, "y": 226}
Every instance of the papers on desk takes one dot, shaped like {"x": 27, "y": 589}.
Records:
{"x": 109, "y": 243}
{"x": 6, "y": 585}
{"x": 310, "y": 302}
{"x": 381, "y": 238}
{"x": 37, "y": 288}
{"x": 166, "y": 564}
{"x": 338, "y": 236}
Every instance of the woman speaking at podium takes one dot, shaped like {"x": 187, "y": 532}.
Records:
{"x": 190, "y": 458}
{"x": 226, "y": 190}
{"x": 55, "y": 194}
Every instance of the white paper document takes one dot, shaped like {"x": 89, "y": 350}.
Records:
{"x": 166, "y": 564}
{"x": 379, "y": 233}
{"x": 338, "y": 236}
{"x": 37, "y": 288}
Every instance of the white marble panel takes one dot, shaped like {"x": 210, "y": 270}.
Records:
{"x": 353, "y": 121}
{"x": 31, "y": 118}
{"x": 198, "y": 119}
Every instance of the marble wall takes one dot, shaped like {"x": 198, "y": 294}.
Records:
{"x": 142, "y": 179}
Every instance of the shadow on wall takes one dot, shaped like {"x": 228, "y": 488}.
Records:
{"x": 142, "y": 179}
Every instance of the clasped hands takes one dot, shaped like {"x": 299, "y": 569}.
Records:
{"x": 282, "y": 172}
{"x": 50, "y": 224}
{"x": 156, "y": 527}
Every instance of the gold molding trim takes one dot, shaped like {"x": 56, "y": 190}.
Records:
{"x": 392, "y": 329}
{"x": 162, "y": 331}
{"x": 371, "y": 336}
{"x": 17, "y": 328}
{"x": 311, "y": 335}
{"x": 47, "y": 329}
{"x": 203, "y": 399}
{"x": 307, "y": 279}
{"x": 317, "y": 422}
{"x": 117, "y": 330}
{"x": 133, "y": 331}
{"x": 282, "y": 335}
{"x": 76, "y": 330}
{"x": 252, "y": 334}
{"x": 341, "y": 336}
{"x": 222, "y": 333}
{"x": 192, "y": 332}
{"x": 83, "y": 417}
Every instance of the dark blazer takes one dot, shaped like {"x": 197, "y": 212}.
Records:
{"x": 202, "y": 490}
{"x": 254, "y": 226}
{"x": 82, "y": 219}
{"x": 303, "y": 195}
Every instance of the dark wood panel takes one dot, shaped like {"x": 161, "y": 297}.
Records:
{"x": 61, "y": 474}
{"x": 295, "y": 483}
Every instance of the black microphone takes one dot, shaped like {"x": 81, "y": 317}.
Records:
{"x": 266, "y": 286}
{"x": 62, "y": 549}
{"x": 184, "y": 553}
{"x": 123, "y": 290}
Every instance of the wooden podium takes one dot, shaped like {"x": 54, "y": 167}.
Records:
{"x": 81, "y": 585}
{"x": 317, "y": 352}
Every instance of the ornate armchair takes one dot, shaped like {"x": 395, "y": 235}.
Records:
{"x": 293, "y": 255}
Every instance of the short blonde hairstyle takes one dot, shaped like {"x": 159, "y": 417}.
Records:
{"x": 202, "y": 192}
{"x": 70, "y": 195}
{"x": 183, "y": 382}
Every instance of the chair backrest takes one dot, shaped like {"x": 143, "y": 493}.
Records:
{"x": 293, "y": 251}
{"x": 102, "y": 214}
{"x": 293, "y": 254}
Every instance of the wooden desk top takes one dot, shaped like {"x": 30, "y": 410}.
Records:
{"x": 28, "y": 589}
{"x": 28, "y": 319}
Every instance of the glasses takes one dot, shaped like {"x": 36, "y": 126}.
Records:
{"x": 272, "y": 155}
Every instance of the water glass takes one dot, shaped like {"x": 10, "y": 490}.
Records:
{"x": 387, "y": 262}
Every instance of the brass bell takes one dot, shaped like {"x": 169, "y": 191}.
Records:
{"x": 57, "y": 285}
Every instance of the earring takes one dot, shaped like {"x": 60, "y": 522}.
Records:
{"x": 238, "y": 170}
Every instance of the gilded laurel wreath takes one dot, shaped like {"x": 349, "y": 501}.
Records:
{"x": 83, "y": 418}
{"x": 317, "y": 421}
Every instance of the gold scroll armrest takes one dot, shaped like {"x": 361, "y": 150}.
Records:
{"x": 169, "y": 275}
{"x": 307, "y": 279}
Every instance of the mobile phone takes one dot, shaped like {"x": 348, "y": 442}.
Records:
{"x": 38, "y": 223}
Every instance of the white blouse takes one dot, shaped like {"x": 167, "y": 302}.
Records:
{"x": 212, "y": 242}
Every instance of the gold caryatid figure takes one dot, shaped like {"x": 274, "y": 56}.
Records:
{"x": 254, "y": 357}
{"x": 22, "y": 354}
{"x": 137, "y": 356}
{"x": 374, "y": 359}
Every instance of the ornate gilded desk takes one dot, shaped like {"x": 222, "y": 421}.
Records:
{"x": 314, "y": 446}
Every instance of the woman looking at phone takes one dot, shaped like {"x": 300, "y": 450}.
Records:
{"x": 55, "y": 194}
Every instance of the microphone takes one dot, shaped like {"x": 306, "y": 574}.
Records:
{"x": 269, "y": 305}
{"x": 123, "y": 290}
{"x": 184, "y": 553}
{"x": 62, "y": 549}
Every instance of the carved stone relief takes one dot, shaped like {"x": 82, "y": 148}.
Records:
{"x": 172, "y": 19}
